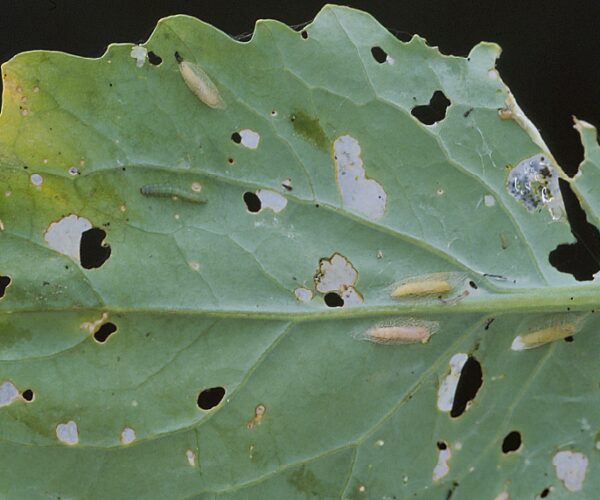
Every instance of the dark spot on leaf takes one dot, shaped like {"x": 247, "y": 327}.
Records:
{"x": 309, "y": 128}
{"x": 304, "y": 34}
{"x": 488, "y": 322}
{"x": 473, "y": 285}
{"x": 154, "y": 59}
{"x": 511, "y": 442}
{"x": 333, "y": 299}
{"x": 105, "y": 331}
{"x": 4, "y": 282}
{"x": 569, "y": 338}
{"x": 450, "y": 492}
{"x": 28, "y": 395}
{"x": 178, "y": 57}
{"x": 433, "y": 112}
{"x": 581, "y": 259}
{"x": 379, "y": 54}
{"x": 467, "y": 112}
{"x": 237, "y": 138}
{"x": 93, "y": 252}
{"x": 209, "y": 398}
{"x": 471, "y": 378}
{"x": 441, "y": 445}
{"x": 252, "y": 202}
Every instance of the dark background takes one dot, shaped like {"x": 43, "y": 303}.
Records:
{"x": 550, "y": 60}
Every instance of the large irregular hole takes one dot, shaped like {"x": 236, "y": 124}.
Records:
{"x": 433, "y": 112}
{"x": 511, "y": 442}
{"x": 252, "y": 202}
{"x": 471, "y": 379}
{"x": 105, "y": 331}
{"x": 154, "y": 59}
{"x": 581, "y": 259}
{"x": 209, "y": 398}
{"x": 93, "y": 252}
{"x": 379, "y": 54}
{"x": 333, "y": 299}
{"x": 4, "y": 282}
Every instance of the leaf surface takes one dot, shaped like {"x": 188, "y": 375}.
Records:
{"x": 326, "y": 133}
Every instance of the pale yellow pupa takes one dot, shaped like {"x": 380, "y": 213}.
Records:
{"x": 429, "y": 284}
{"x": 555, "y": 327}
{"x": 199, "y": 83}
{"x": 400, "y": 331}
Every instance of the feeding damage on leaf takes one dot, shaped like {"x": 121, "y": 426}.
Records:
{"x": 336, "y": 278}
{"x": 209, "y": 332}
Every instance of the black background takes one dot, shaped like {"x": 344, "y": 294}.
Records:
{"x": 550, "y": 59}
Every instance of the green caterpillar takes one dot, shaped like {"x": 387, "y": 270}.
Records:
{"x": 170, "y": 191}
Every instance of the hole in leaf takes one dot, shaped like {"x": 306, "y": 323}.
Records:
{"x": 441, "y": 445}
{"x": 545, "y": 492}
{"x": 4, "y": 282}
{"x": 403, "y": 36}
{"x": 333, "y": 299}
{"x": 473, "y": 285}
{"x": 433, "y": 112}
{"x": 304, "y": 34}
{"x": 511, "y": 442}
{"x": 252, "y": 202}
{"x": 27, "y": 395}
{"x": 209, "y": 398}
{"x": 237, "y": 138}
{"x": 569, "y": 338}
{"x": 581, "y": 259}
{"x": 471, "y": 378}
{"x": 154, "y": 59}
{"x": 379, "y": 54}
{"x": 105, "y": 331}
{"x": 92, "y": 251}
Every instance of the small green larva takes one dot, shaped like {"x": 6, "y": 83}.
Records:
{"x": 170, "y": 191}
{"x": 199, "y": 83}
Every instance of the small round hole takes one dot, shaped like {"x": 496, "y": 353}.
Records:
{"x": 304, "y": 34}
{"x": 209, "y": 398}
{"x": 473, "y": 285}
{"x": 545, "y": 492}
{"x": 231, "y": 161}
{"x": 569, "y": 338}
{"x": 237, "y": 138}
{"x": 441, "y": 445}
{"x": 252, "y": 202}
{"x": 28, "y": 395}
{"x": 379, "y": 54}
{"x": 512, "y": 442}
{"x": 333, "y": 299}
{"x": 154, "y": 59}
{"x": 105, "y": 331}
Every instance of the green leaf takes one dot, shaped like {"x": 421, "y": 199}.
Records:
{"x": 174, "y": 238}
